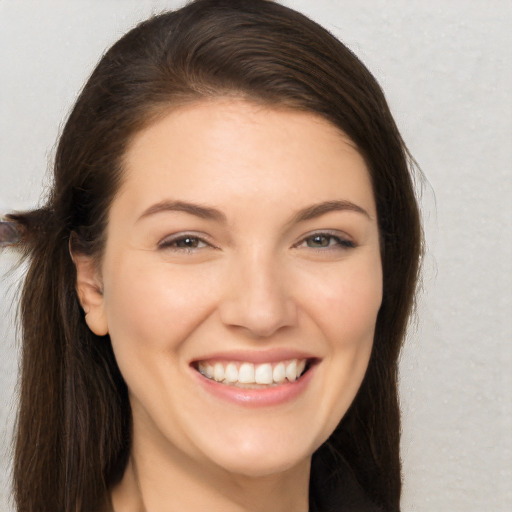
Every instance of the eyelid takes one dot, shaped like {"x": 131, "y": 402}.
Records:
{"x": 346, "y": 241}
{"x": 167, "y": 241}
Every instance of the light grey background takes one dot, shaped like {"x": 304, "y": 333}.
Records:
{"x": 446, "y": 69}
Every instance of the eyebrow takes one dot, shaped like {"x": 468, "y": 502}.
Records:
{"x": 203, "y": 212}
{"x": 209, "y": 213}
{"x": 320, "y": 209}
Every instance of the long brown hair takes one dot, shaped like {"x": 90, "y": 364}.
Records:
{"x": 74, "y": 422}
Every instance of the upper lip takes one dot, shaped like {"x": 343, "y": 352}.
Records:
{"x": 256, "y": 356}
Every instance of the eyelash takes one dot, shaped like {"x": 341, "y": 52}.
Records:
{"x": 172, "y": 243}
{"x": 340, "y": 243}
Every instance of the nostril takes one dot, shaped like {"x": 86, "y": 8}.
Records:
{"x": 256, "y": 296}
{"x": 261, "y": 320}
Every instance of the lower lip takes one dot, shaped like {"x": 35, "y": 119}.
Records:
{"x": 263, "y": 397}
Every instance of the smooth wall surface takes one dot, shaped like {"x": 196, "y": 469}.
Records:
{"x": 446, "y": 69}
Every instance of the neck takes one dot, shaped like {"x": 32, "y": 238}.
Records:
{"x": 155, "y": 479}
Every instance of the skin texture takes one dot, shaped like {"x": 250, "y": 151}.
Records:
{"x": 253, "y": 279}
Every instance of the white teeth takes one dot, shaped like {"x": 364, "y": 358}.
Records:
{"x": 301, "y": 365}
{"x": 246, "y": 373}
{"x": 279, "y": 373}
{"x": 291, "y": 371}
{"x": 231, "y": 373}
{"x": 206, "y": 370}
{"x": 263, "y": 374}
{"x": 218, "y": 372}
{"x": 234, "y": 373}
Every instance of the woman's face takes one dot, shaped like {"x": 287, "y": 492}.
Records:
{"x": 241, "y": 282}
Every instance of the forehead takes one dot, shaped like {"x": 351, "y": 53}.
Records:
{"x": 212, "y": 150}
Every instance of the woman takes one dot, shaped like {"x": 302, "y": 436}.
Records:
{"x": 220, "y": 279}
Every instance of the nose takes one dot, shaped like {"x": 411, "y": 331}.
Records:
{"x": 257, "y": 297}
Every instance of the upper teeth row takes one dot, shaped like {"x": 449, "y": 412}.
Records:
{"x": 248, "y": 373}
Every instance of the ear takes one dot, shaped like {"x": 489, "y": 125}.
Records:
{"x": 89, "y": 288}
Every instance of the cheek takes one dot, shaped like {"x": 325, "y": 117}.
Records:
{"x": 149, "y": 306}
{"x": 346, "y": 303}
{"x": 342, "y": 303}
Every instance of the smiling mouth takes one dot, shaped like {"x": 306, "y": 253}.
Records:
{"x": 253, "y": 376}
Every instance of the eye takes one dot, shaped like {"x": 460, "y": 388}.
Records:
{"x": 183, "y": 242}
{"x": 326, "y": 241}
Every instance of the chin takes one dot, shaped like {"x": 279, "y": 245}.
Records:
{"x": 261, "y": 467}
{"x": 261, "y": 460}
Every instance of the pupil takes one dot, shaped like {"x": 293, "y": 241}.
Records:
{"x": 320, "y": 241}
{"x": 188, "y": 242}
